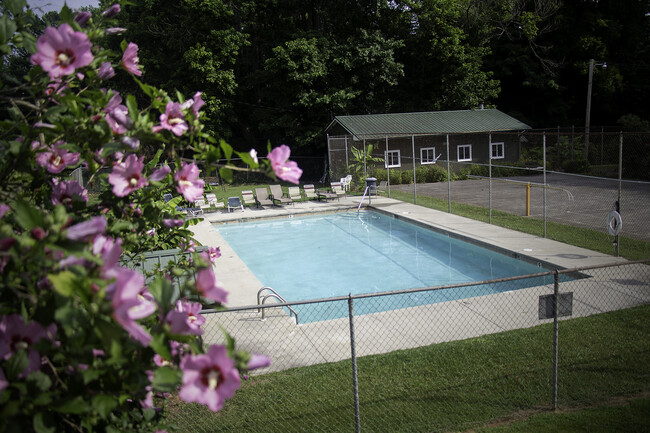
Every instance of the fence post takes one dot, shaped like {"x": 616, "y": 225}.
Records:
{"x": 415, "y": 195}
{"x": 448, "y": 179}
{"x": 387, "y": 170}
{"x": 355, "y": 380}
{"x": 544, "y": 163}
{"x": 556, "y": 290}
{"x": 490, "y": 175}
{"x": 620, "y": 180}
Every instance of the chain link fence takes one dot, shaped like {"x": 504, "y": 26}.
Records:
{"x": 436, "y": 359}
{"x": 547, "y": 176}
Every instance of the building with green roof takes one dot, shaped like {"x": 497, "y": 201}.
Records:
{"x": 408, "y": 140}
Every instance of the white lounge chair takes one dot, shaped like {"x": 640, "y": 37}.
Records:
{"x": 249, "y": 198}
{"x": 294, "y": 193}
{"x": 310, "y": 192}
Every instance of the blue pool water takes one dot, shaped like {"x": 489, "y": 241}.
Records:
{"x": 338, "y": 254}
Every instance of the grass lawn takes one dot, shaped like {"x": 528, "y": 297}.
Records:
{"x": 454, "y": 386}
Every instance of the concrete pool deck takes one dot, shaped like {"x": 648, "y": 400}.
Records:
{"x": 292, "y": 345}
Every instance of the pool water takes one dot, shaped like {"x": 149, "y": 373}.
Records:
{"x": 328, "y": 255}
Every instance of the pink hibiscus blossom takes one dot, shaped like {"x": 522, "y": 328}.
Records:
{"x": 127, "y": 177}
{"x": 109, "y": 250}
{"x": 4, "y": 208}
{"x": 16, "y": 335}
{"x": 195, "y": 103}
{"x": 189, "y": 183}
{"x": 87, "y": 229}
{"x": 172, "y": 120}
{"x": 117, "y": 115}
{"x": 130, "y": 59}
{"x": 258, "y": 361}
{"x": 208, "y": 287}
{"x": 132, "y": 301}
{"x": 65, "y": 192}
{"x": 56, "y": 158}
{"x": 185, "y": 318}
{"x": 106, "y": 71}
{"x": 62, "y": 50}
{"x": 160, "y": 173}
{"x": 283, "y": 168}
{"x": 209, "y": 379}
{"x": 213, "y": 254}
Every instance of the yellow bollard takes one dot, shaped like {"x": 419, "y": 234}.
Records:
{"x": 528, "y": 199}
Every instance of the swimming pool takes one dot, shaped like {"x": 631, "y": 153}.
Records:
{"x": 320, "y": 256}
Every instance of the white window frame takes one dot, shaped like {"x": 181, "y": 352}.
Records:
{"x": 395, "y": 154}
{"x": 497, "y": 145}
{"x": 424, "y": 155}
{"x": 463, "y": 146}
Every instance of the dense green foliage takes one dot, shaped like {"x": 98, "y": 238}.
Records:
{"x": 282, "y": 70}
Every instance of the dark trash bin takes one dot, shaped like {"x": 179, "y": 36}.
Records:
{"x": 371, "y": 184}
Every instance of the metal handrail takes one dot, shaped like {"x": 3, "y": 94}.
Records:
{"x": 275, "y": 295}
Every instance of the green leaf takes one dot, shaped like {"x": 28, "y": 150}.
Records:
{"x": 27, "y": 216}
{"x": 226, "y": 174}
{"x": 248, "y": 159}
{"x": 7, "y": 29}
{"x": 227, "y": 149}
{"x": 166, "y": 379}
{"x": 16, "y": 364}
{"x": 76, "y": 405}
{"x": 163, "y": 291}
{"x": 39, "y": 380}
{"x": 160, "y": 345}
{"x": 43, "y": 423}
{"x": 104, "y": 404}
{"x": 132, "y": 106}
{"x": 63, "y": 282}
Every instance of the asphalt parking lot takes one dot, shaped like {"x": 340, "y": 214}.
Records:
{"x": 575, "y": 200}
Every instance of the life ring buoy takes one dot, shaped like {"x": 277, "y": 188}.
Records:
{"x": 614, "y": 223}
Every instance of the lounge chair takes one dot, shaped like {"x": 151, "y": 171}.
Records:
{"x": 191, "y": 211}
{"x": 249, "y": 198}
{"x": 278, "y": 196}
{"x": 382, "y": 187}
{"x": 213, "y": 202}
{"x": 234, "y": 203}
{"x": 294, "y": 193}
{"x": 310, "y": 192}
{"x": 337, "y": 189}
{"x": 262, "y": 197}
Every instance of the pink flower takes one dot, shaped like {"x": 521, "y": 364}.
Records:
{"x": 209, "y": 379}
{"x": 61, "y": 51}
{"x": 189, "y": 183}
{"x": 117, "y": 115}
{"x": 127, "y": 177}
{"x": 214, "y": 253}
{"x": 4, "y": 208}
{"x": 172, "y": 119}
{"x": 87, "y": 229}
{"x": 3, "y": 381}
{"x": 132, "y": 142}
{"x": 112, "y": 11}
{"x": 16, "y": 335}
{"x": 82, "y": 18}
{"x": 160, "y": 173}
{"x": 283, "y": 168}
{"x": 106, "y": 71}
{"x": 258, "y": 361}
{"x": 65, "y": 192}
{"x": 172, "y": 223}
{"x": 109, "y": 250}
{"x": 185, "y": 319}
{"x": 130, "y": 303}
{"x": 206, "y": 284}
{"x": 55, "y": 159}
{"x": 130, "y": 59}
{"x": 196, "y": 103}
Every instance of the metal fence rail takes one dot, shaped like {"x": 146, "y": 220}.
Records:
{"x": 548, "y": 329}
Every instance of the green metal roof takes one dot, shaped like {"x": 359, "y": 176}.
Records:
{"x": 427, "y": 123}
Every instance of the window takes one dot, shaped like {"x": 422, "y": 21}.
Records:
{"x": 392, "y": 159}
{"x": 464, "y": 152}
{"x": 497, "y": 150}
{"x": 428, "y": 155}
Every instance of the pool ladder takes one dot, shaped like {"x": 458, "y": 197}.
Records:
{"x": 261, "y": 300}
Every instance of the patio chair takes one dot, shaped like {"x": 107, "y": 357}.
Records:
{"x": 310, "y": 192}
{"x": 294, "y": 193}
{"x": 190, "y": 211}
{"x": 167, "y": 197}
{"x": 278, "y": 196}
{"x": 382, "y": 187}
{"x": 213, "y": 202}
{"x": 346, "y": 181}
{"x": 234, "y": 203}
{"x": 337, "y": 189}
{"x": 262, "y": 197}
{"x": 249, "y": 198}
